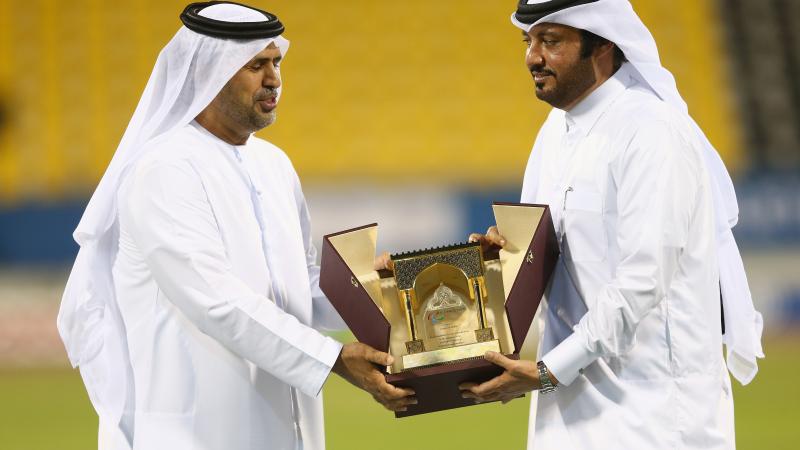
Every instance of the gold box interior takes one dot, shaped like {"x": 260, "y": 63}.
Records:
{"x": 517, "y": 224}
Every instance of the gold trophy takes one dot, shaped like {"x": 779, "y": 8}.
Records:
{"x": 438, "y": 311}
{"x": 443, "y": 294}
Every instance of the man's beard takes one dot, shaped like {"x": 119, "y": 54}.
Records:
{"x": 570, "y": 84}
{"x": 245, "y": 113}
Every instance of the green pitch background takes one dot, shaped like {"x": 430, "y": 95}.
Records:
{"x": 47, "y": 409}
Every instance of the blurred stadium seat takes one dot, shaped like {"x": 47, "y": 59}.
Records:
{"x": 765, "y": 39}
{"x": 432, "y": 92}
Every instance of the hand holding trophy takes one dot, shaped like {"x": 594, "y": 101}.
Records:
{"x": 438, "y": 311}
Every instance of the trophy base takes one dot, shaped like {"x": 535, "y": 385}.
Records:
{"x": 449, "y": 354}
{"x": 484, "y": 334}
{"x": 416, "y": 346}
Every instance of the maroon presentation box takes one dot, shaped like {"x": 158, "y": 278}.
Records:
{"x": 516, "y": 277}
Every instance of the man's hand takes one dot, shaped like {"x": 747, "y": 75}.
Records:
{"x": 518, "y": 378}
{"x": 492, "y": 237}
{"x": 384, "y": 261}
{"x": 358, "y": 363}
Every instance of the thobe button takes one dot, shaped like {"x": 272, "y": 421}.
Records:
{"x": 580, "y": 371}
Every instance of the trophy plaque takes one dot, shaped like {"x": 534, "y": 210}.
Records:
{"x": 439, "y": 310}
{"x": 443, "y": 295}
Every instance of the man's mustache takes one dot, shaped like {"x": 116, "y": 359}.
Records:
{"x": 539, "y": 70}
{"x": 265, "y": 94}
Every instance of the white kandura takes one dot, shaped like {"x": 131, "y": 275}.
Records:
{"x": 224, "y": 289}
{"x": 632, "y": 327}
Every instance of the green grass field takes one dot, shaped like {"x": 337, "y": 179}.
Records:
{"x": 47, "y": 409}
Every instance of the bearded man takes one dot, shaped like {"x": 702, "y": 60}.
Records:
{"x": 193, "y": 306}
{"x": 631, "y": 351}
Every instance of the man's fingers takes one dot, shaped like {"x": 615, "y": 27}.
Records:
{"x": 406, "y": 391}
{"x": 378, "y": 357}
{"x": 499, "y": 359}
{"x": 494, "y": 236}
{"x": 397, "y": 405}
{"x": 393, "y": 397}
{"x": 393, "y": 392}
{"x": 406, "y": 401}
{"x": 490, "y": 397}
{"x": 477, "y": 399}
{"x": 386, "y": 390}
{"x": 384, "y": 261}
{"x": 474, "y": 388}
{"x": 467, "y": 386}
{"x": 488, "y": 388}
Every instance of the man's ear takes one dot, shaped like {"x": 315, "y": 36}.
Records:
{"x": 606, "y": 48}
{"x": 603, "y": 56}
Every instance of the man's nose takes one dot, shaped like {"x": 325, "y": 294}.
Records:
{"x": 272, "y": 78}
{"x": 533, "y": 57}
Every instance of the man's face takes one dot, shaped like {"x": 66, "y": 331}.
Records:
{"x": 554, "y": 59}
{"x": 250, "y": 97}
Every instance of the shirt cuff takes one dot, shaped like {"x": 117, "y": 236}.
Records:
{"x": 327, "y": 357}
{"x": 567, "y": 360}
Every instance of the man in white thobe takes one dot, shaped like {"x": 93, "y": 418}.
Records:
{"x": 194, "y": 304}
{"x": 631, "y": 350}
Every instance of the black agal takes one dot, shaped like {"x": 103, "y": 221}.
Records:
{"x": 191, "y": 18}
{"x": 531, "y": 13}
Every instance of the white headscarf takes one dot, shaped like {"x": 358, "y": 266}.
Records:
{"x": 616, "y": 21}
{"x": 189, "y": 72}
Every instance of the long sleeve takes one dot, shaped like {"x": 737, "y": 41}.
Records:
{"x": 173, "y": 224}
{"x": 324, "y": 316}
{"x": 657, "y": 181}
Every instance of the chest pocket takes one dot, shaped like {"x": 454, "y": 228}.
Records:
{"x": 584, "y": 231}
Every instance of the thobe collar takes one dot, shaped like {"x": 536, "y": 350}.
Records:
{"x": 204, "y": 131}
{"x": 583, "y": 116}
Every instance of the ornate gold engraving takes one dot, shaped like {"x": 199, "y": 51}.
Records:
{"x": 443, "y": 294}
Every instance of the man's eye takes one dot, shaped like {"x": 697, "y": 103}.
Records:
{"x": 550, "y": 42}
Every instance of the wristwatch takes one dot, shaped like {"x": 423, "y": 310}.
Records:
{"x": 544, "y": 379}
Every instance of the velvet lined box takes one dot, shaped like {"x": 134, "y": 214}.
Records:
{"x": 371, "y": 304}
